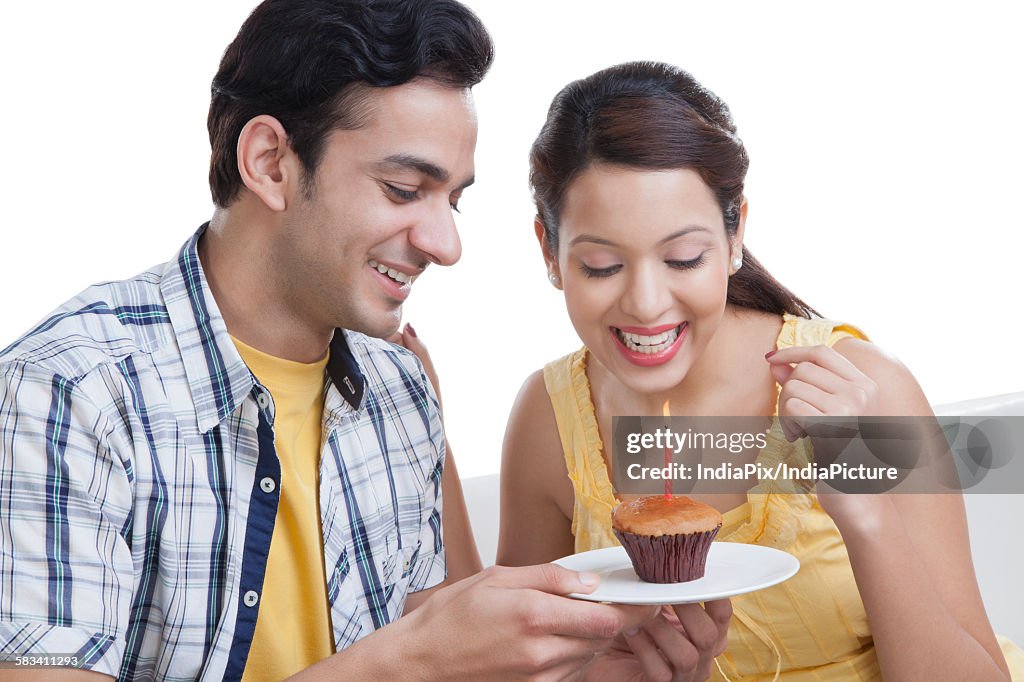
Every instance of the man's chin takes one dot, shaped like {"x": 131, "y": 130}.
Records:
{"x": 383, "y": 327}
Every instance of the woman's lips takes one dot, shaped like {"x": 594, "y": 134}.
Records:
{"x": 649, "y": 359}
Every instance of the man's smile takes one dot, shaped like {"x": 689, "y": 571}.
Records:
{"x": 394, "y": 273}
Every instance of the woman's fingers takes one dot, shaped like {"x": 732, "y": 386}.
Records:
{"x": 817, "y": 401}
{"x": 796, "y": 402}
{"x": 712, "y": 622}
{"x": 818, "y": 381}
{"x": 647, "y": 654}
{"x": 823, "y": 356}
{"x": 818, "y": 376}
{"x": 707, "y": 630}
{"x": 684, "y": 646}
{"x": 681, "y": 653}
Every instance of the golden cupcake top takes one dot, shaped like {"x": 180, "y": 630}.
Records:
{"x": 659, "y": 515}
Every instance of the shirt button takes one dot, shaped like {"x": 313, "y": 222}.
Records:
{"x": 250, "y": 598}
{"x": 267, "y": 485}
{"x": 262, "y": 400}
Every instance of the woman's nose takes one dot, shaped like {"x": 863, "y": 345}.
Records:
{"x": 647, "y": 297}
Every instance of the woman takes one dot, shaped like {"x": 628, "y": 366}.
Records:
{"x": 638, "y": 179}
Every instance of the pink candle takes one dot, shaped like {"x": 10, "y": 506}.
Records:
{"x": 668, "y": 455}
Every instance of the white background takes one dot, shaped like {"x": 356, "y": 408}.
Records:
{"x": 885, "y": 141}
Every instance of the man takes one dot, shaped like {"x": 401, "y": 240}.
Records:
{"x": 217, "y": 469}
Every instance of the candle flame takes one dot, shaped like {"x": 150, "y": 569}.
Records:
{"x": 665, "y": 412}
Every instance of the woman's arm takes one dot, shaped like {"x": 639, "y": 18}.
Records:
{"x": 460, "y": 547}
{"x": 909, "y": 552}
{"x": 536, "y": 494}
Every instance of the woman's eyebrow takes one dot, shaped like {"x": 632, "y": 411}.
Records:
{"x": 590, "y": 239}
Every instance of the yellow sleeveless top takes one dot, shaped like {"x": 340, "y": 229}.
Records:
{"x": 810, "y": 627}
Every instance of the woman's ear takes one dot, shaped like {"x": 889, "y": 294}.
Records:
{"x": 267, "y": 165}
{"x": 554, "y": 276}
{"x": 736, "y": 243}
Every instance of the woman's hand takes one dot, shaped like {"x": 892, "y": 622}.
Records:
{"x": 680, "y": 645}
{"x": 407, "y": 338}
{"x": 817, "y": 382}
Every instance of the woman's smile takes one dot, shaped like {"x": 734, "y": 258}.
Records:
{"x": 649, "y": 347}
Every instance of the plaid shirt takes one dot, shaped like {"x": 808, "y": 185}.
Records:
{"x": 139, "y": 483}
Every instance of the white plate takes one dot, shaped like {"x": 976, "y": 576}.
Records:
{"x": 732, "y": 568}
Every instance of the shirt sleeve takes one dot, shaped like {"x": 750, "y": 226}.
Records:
{"x": 66, "y": 576}
{"x": 428, "y": 569}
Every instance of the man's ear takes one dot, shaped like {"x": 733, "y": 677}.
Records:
{"x": 268, "y": 166}
{"x": 549, "y": 259}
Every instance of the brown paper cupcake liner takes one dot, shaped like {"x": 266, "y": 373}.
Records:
{"x": 668, "y": 558}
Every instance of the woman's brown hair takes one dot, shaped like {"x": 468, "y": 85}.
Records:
{"x": 651, "y": 116}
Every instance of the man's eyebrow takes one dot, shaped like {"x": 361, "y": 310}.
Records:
{"x": 586, "y": 238}
{"x": 421, "y": 165}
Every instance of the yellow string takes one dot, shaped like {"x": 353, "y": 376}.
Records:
{"x": 722, "y": 672}
{"x": 761, "y": 635}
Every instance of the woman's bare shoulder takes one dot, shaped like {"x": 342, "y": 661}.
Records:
{"x": 533, "y": 448}
{"x": 532, "y": 453}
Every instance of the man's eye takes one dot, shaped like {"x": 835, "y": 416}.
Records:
{"x": 403, "y": 194}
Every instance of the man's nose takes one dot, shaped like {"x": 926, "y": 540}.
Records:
{"x": 437, "y": 237}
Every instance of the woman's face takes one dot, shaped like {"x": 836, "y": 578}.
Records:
{"x": 644, "y": 261}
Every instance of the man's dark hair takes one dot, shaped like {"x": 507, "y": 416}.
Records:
{"x": 308, "y": 63}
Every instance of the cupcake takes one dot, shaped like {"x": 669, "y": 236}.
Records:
{"x": 666, "y": 538}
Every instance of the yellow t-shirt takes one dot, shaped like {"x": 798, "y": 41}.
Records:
{"x": 293, "y": 628}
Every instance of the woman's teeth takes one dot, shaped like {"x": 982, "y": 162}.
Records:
{"x": 399, "y": 277}
{"x": 649, "y": 345}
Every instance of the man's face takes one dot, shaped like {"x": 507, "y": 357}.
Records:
{"x": 381, "y": 208}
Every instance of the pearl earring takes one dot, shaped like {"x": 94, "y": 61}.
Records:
{"x": 737, "y": 263}
{"x": 553, "y": 278}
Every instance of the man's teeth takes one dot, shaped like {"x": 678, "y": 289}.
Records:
{"x": 399, "y": 277}
{"x": 649, "y": 345}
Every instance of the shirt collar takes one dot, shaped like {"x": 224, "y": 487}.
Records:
{"x": 217, "y": 377}
{"x": 345, "y": 373}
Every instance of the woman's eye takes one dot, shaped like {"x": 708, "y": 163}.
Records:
{"x": 403, "y": 194}
{"x": 686, "y": 264}
{"x": 599, "y": 272}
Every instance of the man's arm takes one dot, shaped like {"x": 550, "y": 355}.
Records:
{"x": 52, "y": 675}
{"x": 461, "y": 555}
{"x": 462, "y": 558}
{"x": 502, "y": 622}
{"x": 68, "y": 578}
